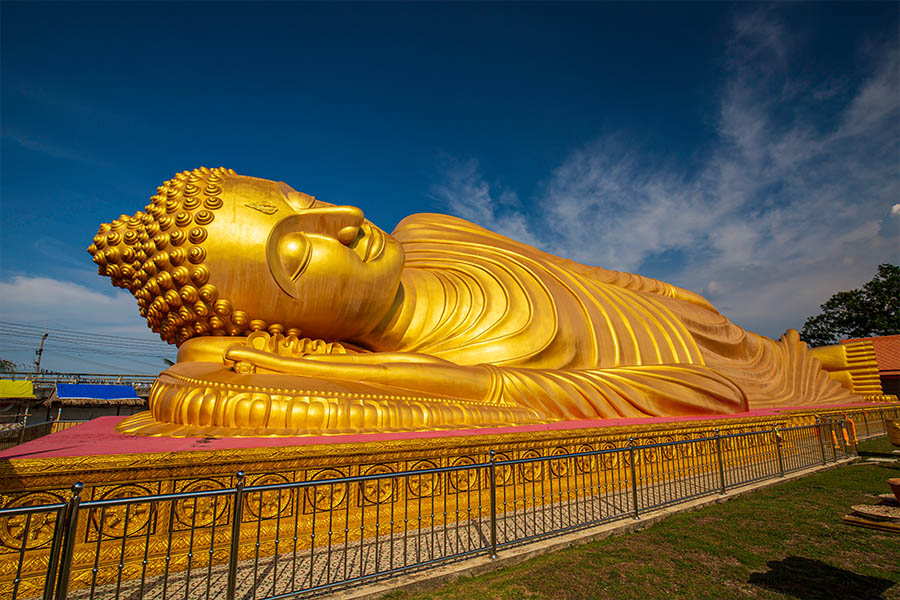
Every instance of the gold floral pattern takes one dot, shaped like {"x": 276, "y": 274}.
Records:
{"x": 325, "y": 496}
{"x": 375, "y": 491}
{"x": 611, "y": 459}
{"x": 463, "y": 480}
{"x": 31, "y": 531}
{"x": 502, "y": 473}
{"x": 204, "y": 510}
{"x": 533, "y": 470}
{"x": 269, "y": 504}
{"x": 650, "y": 454}
{"x": 584, "y": 464}
{"x": 122, "y": 519}
{"x": 423, "y": 486}
{"x": 559, "y": 467}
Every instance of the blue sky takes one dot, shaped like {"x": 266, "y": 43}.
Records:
{"x": 749, "y": 152}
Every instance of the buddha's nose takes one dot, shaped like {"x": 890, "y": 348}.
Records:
{"x": 354, "y": 218}
{"x": 341, "y": 222}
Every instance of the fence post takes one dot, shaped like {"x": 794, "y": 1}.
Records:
{"x": 236, "y": 516}
{"x": 846, "y": 442}
{"x": 778, "y": 445}
{"x": 866, "y": 421}
{"x": 25, "y": 423}
{"x": 721, "y": 464}
{"x": 880, "y": 410}
{"x": 821, "y": 442}
{"x": 634, "y": 494}
{"x": 53, "y": 560}
{"x": 841, "y": 447}
{"x": 493, "y": 505}
{"x": 832, "y": 439}
{"x": 840, "y": 439}
{"x": 71, "y": 528}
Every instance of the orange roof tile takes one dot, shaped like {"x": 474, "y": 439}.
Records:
{"x": 887, "y": 351}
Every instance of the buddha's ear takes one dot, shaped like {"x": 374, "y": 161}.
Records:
{"x": 287, "y": 253}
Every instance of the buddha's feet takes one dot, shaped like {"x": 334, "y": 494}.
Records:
{"x": 209, "y": 399}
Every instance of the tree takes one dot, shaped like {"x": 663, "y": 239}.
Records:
{"x": 7, "y": 366}
{"x": 871, "y": 310}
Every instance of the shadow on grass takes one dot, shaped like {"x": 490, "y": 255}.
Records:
{"x": 809, "y": 579}
{"x": 866, "y": 454}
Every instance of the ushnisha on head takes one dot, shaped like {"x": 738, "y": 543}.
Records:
{"x": 217, "y": 253}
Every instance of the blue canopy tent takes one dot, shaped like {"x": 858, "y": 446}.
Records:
{"x": 89, "y": 394}
{"x": 85, "y": 401}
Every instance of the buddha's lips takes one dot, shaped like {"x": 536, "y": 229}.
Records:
{"x": 371, "y": 246}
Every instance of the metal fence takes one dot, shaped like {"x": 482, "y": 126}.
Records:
{"x": 14, "y": 433}
{"x": 301, "y": 538}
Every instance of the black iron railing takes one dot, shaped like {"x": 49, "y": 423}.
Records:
{"x": 298, "y": 538}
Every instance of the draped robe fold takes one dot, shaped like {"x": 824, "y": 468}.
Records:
{"x": 573, "y": 341}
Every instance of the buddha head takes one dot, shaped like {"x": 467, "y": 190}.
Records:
{"x": 217, "y": 253}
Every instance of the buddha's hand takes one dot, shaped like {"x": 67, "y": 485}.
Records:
{"x": 213, "y": 348}
{"x": 411, "y": 371}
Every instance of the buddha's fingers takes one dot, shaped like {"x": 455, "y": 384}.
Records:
{"x": 260, "y": 359}
{"x": 380, "y": 358}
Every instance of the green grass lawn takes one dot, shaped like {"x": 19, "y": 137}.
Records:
{"x": 784, "y": 541}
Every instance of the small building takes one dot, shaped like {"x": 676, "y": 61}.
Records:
{"x": 16, "y": 397}
{"x": 85, "y": 401}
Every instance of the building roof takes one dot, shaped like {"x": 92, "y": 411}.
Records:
{"x": 887, "y": 352}
{"x": 83, "y": 394}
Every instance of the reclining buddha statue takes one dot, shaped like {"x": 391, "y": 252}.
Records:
{"x": 294, "y": 316}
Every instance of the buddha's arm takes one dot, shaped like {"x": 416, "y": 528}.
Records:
{"x": 627, "y": 391}
{"x": 410, "y": 371}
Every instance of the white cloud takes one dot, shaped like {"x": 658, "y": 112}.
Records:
{"x": 781, "y": 214}
{"x": 54, "y": 304}
{"x": 40, "y": 143}
{"x": 467, "y": 195}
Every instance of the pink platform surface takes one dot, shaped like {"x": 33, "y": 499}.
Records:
{"x": 98, "y": 437}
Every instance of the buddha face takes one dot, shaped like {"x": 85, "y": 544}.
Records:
{"x": 321, "y": 268}
{"x": 223, "y": 254}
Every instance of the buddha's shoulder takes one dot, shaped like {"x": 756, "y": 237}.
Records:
{"x": 431, "y": 230}
{"x": 436, "y": 220}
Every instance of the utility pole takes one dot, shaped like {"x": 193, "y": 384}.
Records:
{"x": 38, "y": 352}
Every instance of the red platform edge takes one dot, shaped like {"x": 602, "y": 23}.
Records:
{"x": 99, "y": 437}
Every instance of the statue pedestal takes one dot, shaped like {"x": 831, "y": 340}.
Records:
{"x": 112, "y": 465}
{"x": 95, "y": 455}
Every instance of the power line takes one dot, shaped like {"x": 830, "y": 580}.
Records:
{"x": 85, "y": 346}
{"x": 115, "y": 350}
{"x": 106, "y": 366}
{"x": 37, "y": 331}
{"x": 27, "y": 332}
{"x": 99, "y": 339}
{"x": 84, "y": 333}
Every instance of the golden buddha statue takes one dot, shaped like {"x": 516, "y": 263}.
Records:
{"x": 294, "y": 316}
